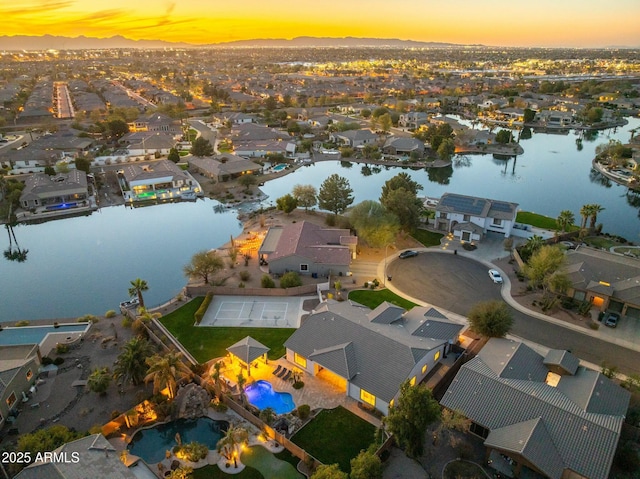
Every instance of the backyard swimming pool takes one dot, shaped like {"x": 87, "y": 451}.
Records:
{"x": 10, "y": 336}
{"x": 280, "y": 167}
{"x": 151, "y": 444}
{"x": 262, "y": 396}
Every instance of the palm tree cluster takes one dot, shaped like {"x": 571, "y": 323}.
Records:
{"x": 166, "y": 371}
{"x": 228, "y": 445}
{"x": 590, "y": 211}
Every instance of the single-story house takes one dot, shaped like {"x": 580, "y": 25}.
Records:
{"x": 354, "y": 138}
{"x": 64, "y": 190}
{"x": 159, "y": 180}
{"x": 18, "y": 371}
{"x": 308, "y": 248}
{"x": 469, "y": 217}
{"x": 367, "y": 353}
{"x": 148, "y": 143}
{"x": 262, "y": 148}
{"x": 609, "y": 281}
{"x": 224, "y": 166}
{"x": 403, "y": 146}
{"x": 546, "y": 413}
{"x": 156, "y": 122}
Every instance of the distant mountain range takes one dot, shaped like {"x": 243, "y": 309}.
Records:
{"x": 50, "y": 42}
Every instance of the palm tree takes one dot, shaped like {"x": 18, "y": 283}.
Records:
{"x": 565, "y": 219}
{"x": 137, "y": 287}
{"x": 165, "y": 372}
{"x": 534, "y": 243}
{"x": 593, "y": 213}
{"x": 233, "y": 438}
{"x": 215, "y": 377}
{"x": 131, "y": 365}
{"x": 585, "y": 212}
{"x": 241, "y": 382}
{"x": 99, "y": 380}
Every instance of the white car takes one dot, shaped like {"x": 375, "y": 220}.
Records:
{"x": 495, "y": 276}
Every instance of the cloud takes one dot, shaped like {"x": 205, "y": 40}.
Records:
{"x": 30, "y": 8}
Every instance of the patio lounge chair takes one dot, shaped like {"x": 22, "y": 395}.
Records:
{"x": 286, "y": 376}
{"x": 283, "y": 372}
{"x": 277, "y": 370}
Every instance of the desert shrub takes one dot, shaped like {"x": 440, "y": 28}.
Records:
{"x": 115, "y": 413}
{"x": 126, "y": 322}
{"x": 593, "y": 325}
{"x": 62, "y": 348}
{"x": 88, "y": 318}
{"x": 290, "y": 279}
{"x": 267, "y": 282}
{"x": 245, "y": 275}
{"x": 110, "y": 314}
{"x": 46, "y": 361}
{"x": 303, "y": 411}
{"x": 241, "y": 284}
{"x": 95, "y": 429}
{"x": 193, "y": 452}
{"x": 203, "y": 308}
{"x": 298, "y": 385}
{"x": 58, "y": 361}
{"x": 21, "y": 324}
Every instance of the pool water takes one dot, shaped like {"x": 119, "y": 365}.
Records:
{"x": 35, "y": 334}
{"x": 262, "y": 396}
{"x": 280, "y": 167}
{"x": 151, "y": 444}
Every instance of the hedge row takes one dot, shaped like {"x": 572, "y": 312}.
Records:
{"x": 203, "y": 307}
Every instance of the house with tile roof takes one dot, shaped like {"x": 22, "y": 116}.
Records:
{"x": 469, "y": 218}
{"x": 308, "y": 249}
{"x": 368, "y": 354}
{"x": 395, "y": 145}
{"x": 611, "y": 282}
{"x": 547, "y": 413}
{"x": 354, "y": 138}
{"x": 57, "y": 192}
{"x": 18, "y": 371}
{"x": 224, "y": 166}
{"x": 158, "y": 180}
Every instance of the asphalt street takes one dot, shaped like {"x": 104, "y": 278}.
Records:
{"x": 456, "y": 283}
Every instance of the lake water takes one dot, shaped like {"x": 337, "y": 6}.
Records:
{"x": 83, "y": 265}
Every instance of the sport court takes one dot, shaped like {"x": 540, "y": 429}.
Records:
{"x": 262, "y": 312}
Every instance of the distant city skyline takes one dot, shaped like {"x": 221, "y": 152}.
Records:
{"x": 544, "y": 23}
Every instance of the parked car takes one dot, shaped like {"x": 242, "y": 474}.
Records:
{"x": 611, "y": 320}
{"x": 408, "y": 254}
{"x": 495, "y": 276}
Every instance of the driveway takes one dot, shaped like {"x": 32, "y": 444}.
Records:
{"x": 450, "y": 281}
{"x": 456, "y": 283}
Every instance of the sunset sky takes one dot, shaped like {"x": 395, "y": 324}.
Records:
{"x": 552, "y": 23}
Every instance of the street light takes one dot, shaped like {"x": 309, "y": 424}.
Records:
{"x": 384, "y": 278}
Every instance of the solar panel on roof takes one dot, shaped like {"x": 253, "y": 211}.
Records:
{"x": 500, "y": 206}
{"x": 469, "y": 205}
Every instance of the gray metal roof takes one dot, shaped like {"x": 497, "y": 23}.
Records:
{"x": 514, "y": 360}
{"x": 382, "y": 362}
{"x": 531, "y": 440}
{"x": 585, "y": 439}
{"x": 434, "y": 313}
{"x": 386, "y": 313}
{"x": 248, "y": 349}
{"x": 437, "y": 330}
{"x": 561, "y": 362}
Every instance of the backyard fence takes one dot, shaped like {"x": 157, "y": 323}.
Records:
{"x": 193, "y": 291}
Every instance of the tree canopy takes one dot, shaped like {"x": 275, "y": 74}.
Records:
{"x": 543, "y": 265}
{"x": 47, "y": 439}
{"x": 286, "y": 203}
{"x": 174, "y": 156}
{"x": 305, "y": 195}
{"x": 491, "y": 319}
{"x": 408, "y": 419}
{"x": 399, "y": 196}
{"x": 203, "y": 264}
{"x": 376, "y": 226}
{"x": 335, "y": 194}
{"x": 366, "y": 465}
{"x": 201, "y": 147}
{"x": 329, "y": 472}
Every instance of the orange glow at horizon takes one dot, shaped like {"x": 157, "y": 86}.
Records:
{"x": 491, "y": 22}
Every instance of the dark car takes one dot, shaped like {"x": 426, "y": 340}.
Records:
{"x": 408, "y": 254}
{"x": 611, "y": 320}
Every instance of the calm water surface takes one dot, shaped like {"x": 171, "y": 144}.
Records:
{"x": 83, "y": 265}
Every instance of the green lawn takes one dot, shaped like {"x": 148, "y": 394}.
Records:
{"x": 600, "y": 242}
{"x": 537, "y": 220}
{"x": 214, "y": 472}
{"x": 428, "y": 238}
{"x": 463, "y": 470}
{"x": 372, "y": 299}
{"x": 286, "y": 456}
{"x": 206, "y": 343}
{"x": 269, "y": 465}
{"x": 335, "y": 436}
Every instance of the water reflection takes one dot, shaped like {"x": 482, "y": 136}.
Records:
{"x": 442, "y": 176}
{"x": 14, "y": 253}
{"x": 598, "y": 178}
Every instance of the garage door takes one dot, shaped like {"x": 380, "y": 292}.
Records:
{"x": 633, "y": 313}
{"x": 615, "y": 306}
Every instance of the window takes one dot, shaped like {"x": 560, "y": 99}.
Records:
{"x": 443, "y": 215}
{"x": 367, "y": 397}
{"x": 436, "y": 356}
{"x": 300, "y": 360}
{"x": 466, "y": 218}
{"x": 11, "y": 400}
{"x": 304, "y": 267}
{"x": 424, "y": 369}
{"x": 412, "y": 382}
{"x": 497, "y": 222}
{"x": 29, "y": 375}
